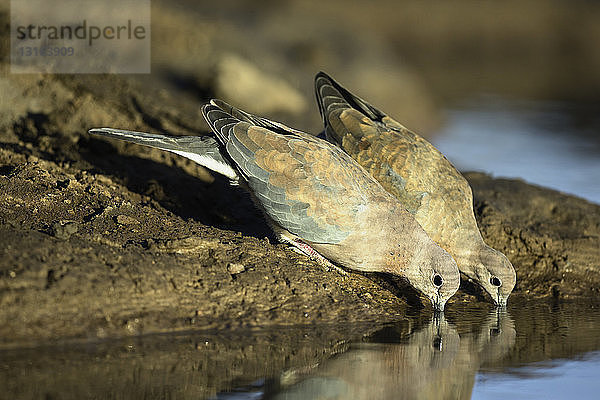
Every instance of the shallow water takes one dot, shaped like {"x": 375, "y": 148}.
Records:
{"x": 558, "y": 379}
{"x": 556, "y": 145}
{"x": 531, "y": 350}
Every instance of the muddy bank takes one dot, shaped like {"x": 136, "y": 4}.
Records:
{"x": 102, "y": 239}
{"x": 552, "y": 239}
{"x": 83, "y": 256}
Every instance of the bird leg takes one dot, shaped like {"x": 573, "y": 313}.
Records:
{"x": 303, "y": 248}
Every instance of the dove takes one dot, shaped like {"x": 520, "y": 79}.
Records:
{"x": 315, "y": 197}
{"x": 419, "y": 175}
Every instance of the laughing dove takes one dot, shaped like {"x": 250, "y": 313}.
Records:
{"x": 315, "y": 197}
{"x": 422, "y": 179}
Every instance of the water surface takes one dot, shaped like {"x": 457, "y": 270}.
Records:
{"x": 554, "y": 379}
{"x": 556, "y": 145}
{"x": 531, "y": 350}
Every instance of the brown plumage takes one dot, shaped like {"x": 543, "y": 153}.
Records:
{"x": 422, "y": 179}
{"x": 317, "y": 198}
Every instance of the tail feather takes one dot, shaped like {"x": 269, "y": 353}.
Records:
{"x": 203, "y": 150}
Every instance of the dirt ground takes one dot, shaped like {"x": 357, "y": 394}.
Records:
{"x": 104, "y": 239}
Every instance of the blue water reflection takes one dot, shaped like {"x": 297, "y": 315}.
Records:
{"x": 556, "y": 379}
{"x": 548, "y": 144}
{"x": 533, "y": 350}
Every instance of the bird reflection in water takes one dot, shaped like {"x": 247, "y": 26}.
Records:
{"x": 409, "y": 360}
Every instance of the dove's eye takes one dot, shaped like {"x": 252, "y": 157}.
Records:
{"x": 495, "y": 281}
{"x": 437, "y": 280}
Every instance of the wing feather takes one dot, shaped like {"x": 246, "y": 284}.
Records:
{"x": 306, "y": 185}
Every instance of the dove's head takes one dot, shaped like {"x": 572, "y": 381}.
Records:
{"x": 493, "y": 272}
{"x": 433, "y": 272}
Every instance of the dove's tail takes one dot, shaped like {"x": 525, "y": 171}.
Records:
{"x": 203, "y": 150}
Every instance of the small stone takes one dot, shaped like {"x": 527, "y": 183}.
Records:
{"x": 134, "y": 326}
{"x": 126, "y": 220}
{"x": 64, "y": 230}
{"x": 235, "y": 268}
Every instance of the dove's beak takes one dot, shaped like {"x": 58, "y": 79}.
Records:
{"x": 500, "y": 300}
{"x": 438, "y": 303}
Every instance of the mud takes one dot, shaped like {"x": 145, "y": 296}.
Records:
{"x": 102, "y": 239}
{"x": 552, "y": 238}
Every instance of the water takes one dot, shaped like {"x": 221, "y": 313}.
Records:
{"x": 556, "y": 379}
{"x": 550, "y": 144}
{"x": 531, "y": 350}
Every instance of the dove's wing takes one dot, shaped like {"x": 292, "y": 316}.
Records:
{"x": 308, "y": 187}
{"x": 403, "y": 162}
{"x": 271, "y": 125}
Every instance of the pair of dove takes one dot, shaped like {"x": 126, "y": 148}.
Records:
{"x": 373, "y": 197}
